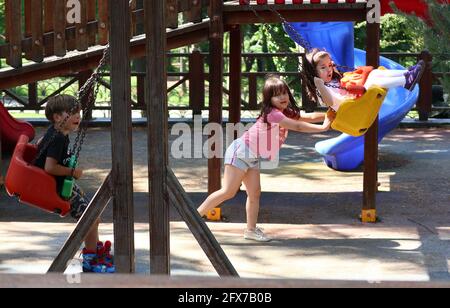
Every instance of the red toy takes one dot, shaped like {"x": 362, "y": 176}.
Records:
{"x": 32, "y": 185}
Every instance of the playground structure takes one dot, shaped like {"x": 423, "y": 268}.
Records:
{"x": 165, "y": 189}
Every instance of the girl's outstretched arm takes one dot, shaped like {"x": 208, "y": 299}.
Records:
{"x": 312, "y": 117}
{"x": 305, "y": 127}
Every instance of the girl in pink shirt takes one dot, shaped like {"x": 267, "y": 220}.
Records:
{"x": 279, "y": 114}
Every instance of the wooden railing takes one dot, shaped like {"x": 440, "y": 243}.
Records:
{"x": 48, "y": 31}
{"x": 195, "y": 79}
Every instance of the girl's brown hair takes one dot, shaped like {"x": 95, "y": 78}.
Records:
{"x": 60, "y": 104}
{"x": 275, "y": 86}
{"x": 310, "y": 71}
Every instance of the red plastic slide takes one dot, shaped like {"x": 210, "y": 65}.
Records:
{"x": 11, "y": 129}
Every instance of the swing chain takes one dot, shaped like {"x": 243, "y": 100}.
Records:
{"x": 94, "y": 80}
{"x": 85, "y": 89}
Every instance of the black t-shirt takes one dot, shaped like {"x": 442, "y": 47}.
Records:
{"x": 57, "y": 149}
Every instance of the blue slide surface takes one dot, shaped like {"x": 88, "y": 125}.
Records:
{"x": 345, "y": 152}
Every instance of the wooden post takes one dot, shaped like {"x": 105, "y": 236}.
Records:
{"x": 14, "y": 32}
{"x": 32, "y": 95}
{"x": 82, "y": 38}
{"x": 426, "y": 87}
{"x": 215, "y": 87}
{"x": 196, "y": 82}
{"x": 2, "y": 180}
{"x": 48, "y": 25}
{"x": 59, "y": 27}
{"x": 181, "y": 201}
{"x": 82, "y": 78}
{"x": 235, "y": 74}
{"x": 122, "y": 154}
{"x": 155, "y": 21}
{"x": 371, "y": 138}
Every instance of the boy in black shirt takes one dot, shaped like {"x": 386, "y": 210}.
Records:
{"x": 63, "y": 111}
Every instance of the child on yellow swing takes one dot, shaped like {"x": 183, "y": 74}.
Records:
{"x": 63, "y": 111}
{"x": 324, "y": 81}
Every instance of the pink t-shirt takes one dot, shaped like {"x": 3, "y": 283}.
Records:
{"x": 265, "y": 139}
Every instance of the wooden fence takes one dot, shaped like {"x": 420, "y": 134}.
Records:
{"x": 43, "y": 28}
{"x": 196, "y": 78}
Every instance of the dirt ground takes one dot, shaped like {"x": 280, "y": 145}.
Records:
{"x": 310, "y": 210}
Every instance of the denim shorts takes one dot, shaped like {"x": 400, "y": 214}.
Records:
{"x": 239, "y": 155}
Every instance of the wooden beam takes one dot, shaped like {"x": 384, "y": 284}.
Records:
{"x": 235, "y": 74}
{"x": 76, "y": 62}
{"x": 267, "y": 16}
{"x": 371, "y": 137}
{"x": 185, "y": 207}
{"x": 89, "y": 218}
{"x": 215, "y": 87}
{"x": 155, "y": 22}
{"x": 14, "y": 32}
{"x": 197, "y": 282}
{"x": 121, "y": 139}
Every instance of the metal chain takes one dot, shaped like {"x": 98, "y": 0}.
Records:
{"x": 87, "y": 90}
{"x": 300, "y": 39}
{"x": 81, "y": 94}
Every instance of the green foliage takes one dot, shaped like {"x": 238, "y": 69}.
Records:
{"x": 2, "y": 21}
{"x": 436, "y": 36}
{"x": 397, "y": 35}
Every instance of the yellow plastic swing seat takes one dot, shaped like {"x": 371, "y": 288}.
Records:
{"x": 356, "y": 116}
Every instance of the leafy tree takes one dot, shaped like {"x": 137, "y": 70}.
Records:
{"x": 436, "y": 35}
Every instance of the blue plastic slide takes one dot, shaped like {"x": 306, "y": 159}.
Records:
{"x": 345, "y": 152}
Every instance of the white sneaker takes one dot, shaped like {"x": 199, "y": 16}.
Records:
{"x": 256, "y": 235}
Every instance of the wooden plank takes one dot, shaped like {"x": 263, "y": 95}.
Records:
{"x": 195, "y": 12}
{"x": 89, "y": 218}
{"x": 122, "y": 154}
{"x": 82, "y": 78}
{"x": 82, "y": 38}
{"x": 80, "y": 61}
{"x": 235, "y": 74}
{"x": 215, "y": 88}
{"x": 28, "y": 26}
{"x": 132, "y": 10}
{"x": 59, "y": 24}
{"x": 185, "y": 207}
{"x": 196, "y": 82}
{"x": 426, "y": 87}
{"x": 32, "y": 95}
{"x": 48, "y": 26}
{"x": 37, "y": 29}
{"x": 253, "y": 92}
{"x": 14, "y": 38}
{"x": 172, "y": 14}
{"x": 92, "y": 16}
{"x": 248, "y": 17}
{"x": 371, "y": 137}
{"x": 199, "y": 282}
{"x": 157, "y": 136}
{"x": 103, "y": 18}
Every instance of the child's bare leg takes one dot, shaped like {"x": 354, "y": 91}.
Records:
{"x": 252, "y": 183}
{"x": 90, "y": 242}
{"x": 231, "y": 182}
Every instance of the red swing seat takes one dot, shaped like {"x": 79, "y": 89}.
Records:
{"x": 30, "y": 184}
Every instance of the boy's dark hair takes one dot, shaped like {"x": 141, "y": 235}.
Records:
{"x": 60, "y": 104}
